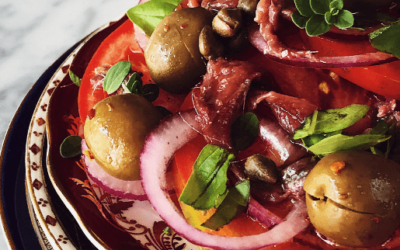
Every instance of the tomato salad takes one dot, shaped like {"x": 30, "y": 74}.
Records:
{"x": 252, "y": 124}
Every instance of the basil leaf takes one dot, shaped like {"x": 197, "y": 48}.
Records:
{"x": 304, "y": 8}
{"x": 115, "y": 76}
{"x": 316, "y": 26}
{"x": 336, "y": 5}
{"x": 299, "y": 20}
{"x": 134, "y": 84}
{"x": 74, "y": 78}
{"x": 234, "y": 204}
{"x": 244, "y": 131}
{"x": 387, "y": 39}
{"x": 342, "y": 142}
{"x": 330, "y": 18}
{"x": 149, "y": 14}
{"x": 150, "y": 92}
{"x": 71, "y": 146}
{"x": 345, "y": 19}
{"x": 320, "y": 6}
{"x": 331, "y": 120}
{"x": 206, "y": 180}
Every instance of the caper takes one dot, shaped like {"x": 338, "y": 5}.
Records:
{"x": 259, "y": 167}
{"x": 210, "y": 46}
{"x": 227, "y": 22}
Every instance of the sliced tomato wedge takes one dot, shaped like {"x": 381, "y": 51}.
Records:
{"x": 382, "y": 79}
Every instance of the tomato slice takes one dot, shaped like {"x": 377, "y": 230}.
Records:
{"x": 119, "y": 46}
{"x": 382, "y": 79}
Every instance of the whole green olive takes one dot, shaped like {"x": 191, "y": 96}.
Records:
{"x": 115, "y": 134}
{"x": 172, "y": 53}
{"x": 353, "y": 198}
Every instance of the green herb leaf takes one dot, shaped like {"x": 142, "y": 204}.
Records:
{"x": 313, "y": 139}
{"x": 134, "y": 84}
{"x": 74, "y": 78}
{"x": 343, "y": 142}
{"x": 345, "y": 19}
{"x": 299, "y": 20}
{"x": 336, "y": 5}
{"x": 320, "y": 6}
{"x": 115, "y": 76}
{"x": 167, "y": 230}
{"x": 316, "y": 26}
{"x": 234, "y": 204}
{"x": 150, "y": 92}
{"x": 244, "y": 131}
{"x": 71, "y": 146}
{"x": 330, "y": 18}
{"x": 149, "y": 14}
{"x": 304, "y": 8}
{"x": 387, "y": 39}
{"x": 331, "y": 120}
{"x": 206, "y": 187}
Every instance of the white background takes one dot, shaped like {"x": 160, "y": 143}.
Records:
{"x": 33, "y": 34}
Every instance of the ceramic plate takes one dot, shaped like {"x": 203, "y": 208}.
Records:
{"x": 108, "y": 221}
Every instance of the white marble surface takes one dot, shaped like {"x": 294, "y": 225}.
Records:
{"x": 33, "y": 34}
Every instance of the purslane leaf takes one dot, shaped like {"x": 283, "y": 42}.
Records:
{"x": 387, "y": 39}
{"x": 74, "y": 78}
{"x": 345, "y": 19}
{"x": 299, "y": 20}
{"x": 206, "y": 174}
{"x": 343, "y": 142}
{"x": 244, "y": 131}
{"x": 304, "y": 8}
{"x": 336, "y": 5}
{"x": 234, "y": 204}
{"x": 329, "y": 18}
{"x": 149, "y": 14}
{"x": 320, "y": 6}
{"x": 316, "y": 26}
{"x": 115, "y": 76}
{"x": 71, "y": 146}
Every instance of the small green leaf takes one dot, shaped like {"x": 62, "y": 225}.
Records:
{"x": 314, "y": 139}
{"x": 343, "y": 142}
{"x": 316, "y": 26}
{"x": 134, "y": 84}
{"x": 167, "y": 231}
{"x": 244, "y": 131}
{"x": 304, "y": 8}
{"x": 74, "y": 78}
{"x": 149, "y": 14}
{"x": 331, "y": 120}
{"x": 387, "y": 39}
{"x": 234, "y": 204}
{"x": 329, "y": 18}
{"x": 299, "y": 20}
{"x": 71, "y": 146}
{"x": 150, "y": 92}
{"x": 206, "y": 187}
{"x": 115, "y": 76}
{"x": 345, "y": 19}
{"x": 319, "y": 6}
{"x": 336, "y": 5}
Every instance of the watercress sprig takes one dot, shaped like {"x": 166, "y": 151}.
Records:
{"x": 318, "y": 16}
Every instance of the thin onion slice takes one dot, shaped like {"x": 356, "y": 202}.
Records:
{"x": 263, "y": 215}
{"x": 125, "y": 189}
{"x": 367, "y": 59}
{"x": 159, "y": 148}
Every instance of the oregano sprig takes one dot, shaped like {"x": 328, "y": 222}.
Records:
{"x": 318, "y": 16}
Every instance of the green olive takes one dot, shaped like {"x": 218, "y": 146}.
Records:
{"x": 358, "y": 205}
{"x": 115, "y": 134}
{"x": 172, "y": 53}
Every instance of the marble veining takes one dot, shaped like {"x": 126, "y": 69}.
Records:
{"x": 33, "y": 34}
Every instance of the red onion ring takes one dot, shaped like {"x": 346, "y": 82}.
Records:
{"x": 262, "y": 214}
{"x": 367, "y": 59}
{"x": 132, "y": 190}
{"x": 159, "y": 148}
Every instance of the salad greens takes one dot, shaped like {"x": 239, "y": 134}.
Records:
{"x": 318, "y": 16}
{"x": 244, "y": 131}
{"x": 149, "y": 14}
{"x": 387, "y": 39}
{"x": 115, "y": 76}
{"x": 74, "y": 78}
{"x": 71, "y": 146}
